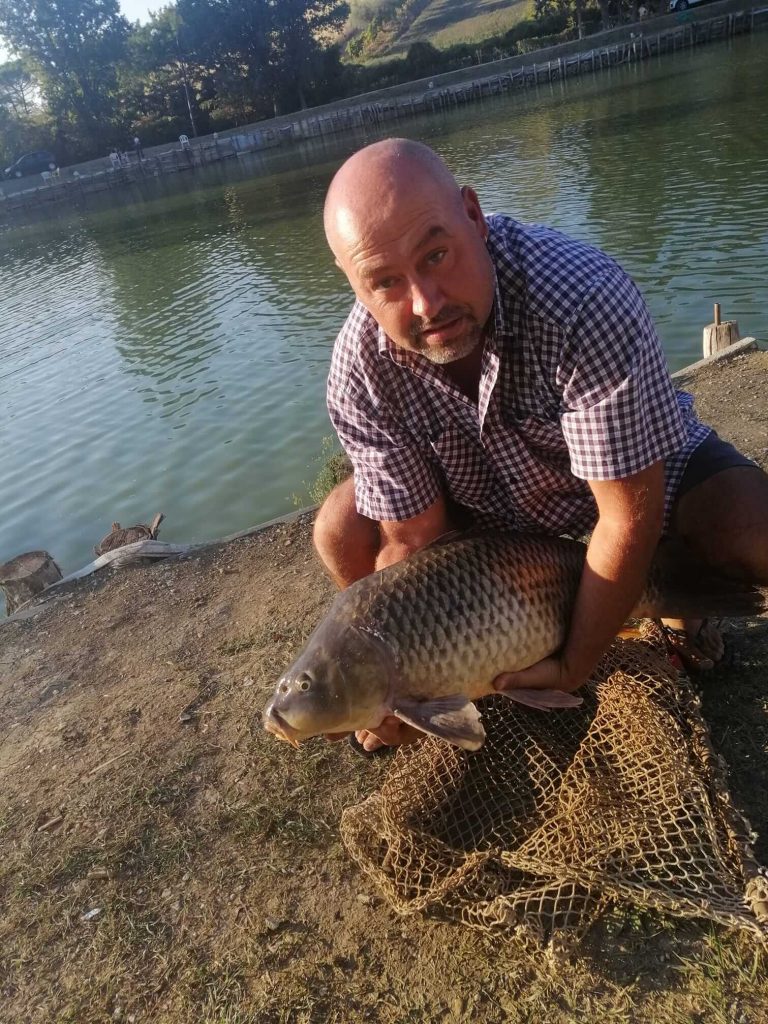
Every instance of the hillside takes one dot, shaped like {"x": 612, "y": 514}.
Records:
{"x": 442, "y": 23}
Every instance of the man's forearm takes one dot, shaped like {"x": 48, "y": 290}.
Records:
{"x": 616, "y": 567}
{"x": 400, "y": 539}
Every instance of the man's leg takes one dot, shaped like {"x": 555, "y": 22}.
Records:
{"x": 724, "y": 522}
{"x": 346, "y": 542}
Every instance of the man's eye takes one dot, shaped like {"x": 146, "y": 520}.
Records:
{"x": 436, "y": 257}
{"x": 385, "y": 284}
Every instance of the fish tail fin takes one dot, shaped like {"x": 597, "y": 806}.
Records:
{"x": 679, "y": 586}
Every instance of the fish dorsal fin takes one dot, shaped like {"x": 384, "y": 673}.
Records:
{"x": 454, "y": 718}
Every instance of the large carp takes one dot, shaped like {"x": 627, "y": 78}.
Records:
{"x": 424, "y": 638}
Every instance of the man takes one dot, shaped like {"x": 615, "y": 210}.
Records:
{"x": 498, "y": 372}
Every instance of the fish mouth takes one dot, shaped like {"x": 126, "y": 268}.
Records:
{"x": 274, "y": 722}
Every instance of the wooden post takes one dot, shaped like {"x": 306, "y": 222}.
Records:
{"x": 26, "y": 576}
{"x": 719, "y": 335}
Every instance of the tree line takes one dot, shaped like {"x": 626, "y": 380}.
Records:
{"x": 82, "y": 79}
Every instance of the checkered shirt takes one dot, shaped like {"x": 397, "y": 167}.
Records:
{"x": 574, "y": 387}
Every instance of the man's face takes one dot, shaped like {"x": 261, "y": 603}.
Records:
{"x": 423, "y": 271}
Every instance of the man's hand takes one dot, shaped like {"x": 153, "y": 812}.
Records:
{"x": 391, "y": 733}
{"x": 548, "y": 674}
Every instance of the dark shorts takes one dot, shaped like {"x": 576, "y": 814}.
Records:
{"x": 711, "y": 457}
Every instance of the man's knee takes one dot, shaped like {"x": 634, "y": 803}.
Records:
{"x": 346, "y": 541}
{"x": 335, "y": 516}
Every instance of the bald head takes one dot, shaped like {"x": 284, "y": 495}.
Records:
{"x": 374, "y": 183}
{"x": 412, "y": 244}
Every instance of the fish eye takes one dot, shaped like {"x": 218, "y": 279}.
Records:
{"x": 304, "y": 682}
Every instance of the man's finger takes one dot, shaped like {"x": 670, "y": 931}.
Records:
{"x": 395, "y": 733}
{"x": 369, "y": 741}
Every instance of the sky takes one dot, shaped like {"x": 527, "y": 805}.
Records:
{"x": 138, "y": 10}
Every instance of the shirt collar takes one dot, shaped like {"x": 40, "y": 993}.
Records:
{"x": 499, "y": 253}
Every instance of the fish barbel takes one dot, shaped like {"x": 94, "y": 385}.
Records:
{"x": 425, "y": 637}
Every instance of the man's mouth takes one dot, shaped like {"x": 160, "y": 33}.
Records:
{"x": 441, "y": 334}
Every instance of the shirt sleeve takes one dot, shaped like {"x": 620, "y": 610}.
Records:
{"x": 394, "y": 478}
{"x": 619, "y": 411}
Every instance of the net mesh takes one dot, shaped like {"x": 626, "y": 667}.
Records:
{"x": 561, "y": 814}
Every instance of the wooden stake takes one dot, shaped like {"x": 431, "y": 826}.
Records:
{"x": 719, "y": 335}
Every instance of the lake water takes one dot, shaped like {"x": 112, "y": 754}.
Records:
{"x": 169, "y": 354}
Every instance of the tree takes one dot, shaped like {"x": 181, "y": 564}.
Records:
{"x": 161, "y": 80}
{"x": 17, "y": 87}
{"x": 300, "y": 29}
{"x": 74, "y": 46}
{"x": 266, "y": 55}
{"x": 23, "y": 123}
{"x": 232, "y": 42}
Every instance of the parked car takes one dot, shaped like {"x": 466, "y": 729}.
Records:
{"x": 682, "y": 5}
{"x": 32, "y": 163}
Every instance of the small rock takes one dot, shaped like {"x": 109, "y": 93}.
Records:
{"x": 365, "y": 899}
{"x": 458, "y": 1006}
{"x": 91, "y": 915}
{"x": 271, "y": 924}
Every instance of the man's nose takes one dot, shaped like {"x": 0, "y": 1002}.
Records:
{"x": 426, "y": 298}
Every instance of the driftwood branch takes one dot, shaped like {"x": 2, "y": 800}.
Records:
{"x": 124, "y": 555}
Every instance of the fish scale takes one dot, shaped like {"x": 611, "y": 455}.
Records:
{"x": 472, "y": 623}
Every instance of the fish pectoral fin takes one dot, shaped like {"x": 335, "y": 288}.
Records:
{"x": 544, "y": 700}
{"x": 455, "y": 719}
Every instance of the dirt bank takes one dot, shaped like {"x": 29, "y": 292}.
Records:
{"x": 162, "y": 859}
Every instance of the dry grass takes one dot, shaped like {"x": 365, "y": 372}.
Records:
{"x": 213, "y": 856}
{"x": 446, "y": 22}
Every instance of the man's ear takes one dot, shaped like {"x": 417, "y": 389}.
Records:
{"x": 473, "y": 209}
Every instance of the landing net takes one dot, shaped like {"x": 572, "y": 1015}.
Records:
{"x": 563, "y": 813}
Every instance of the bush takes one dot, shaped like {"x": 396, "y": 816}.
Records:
{"x": 424, "y": 59}
{"x": 541, "y": 42}
{"x": 335, "y": 468}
